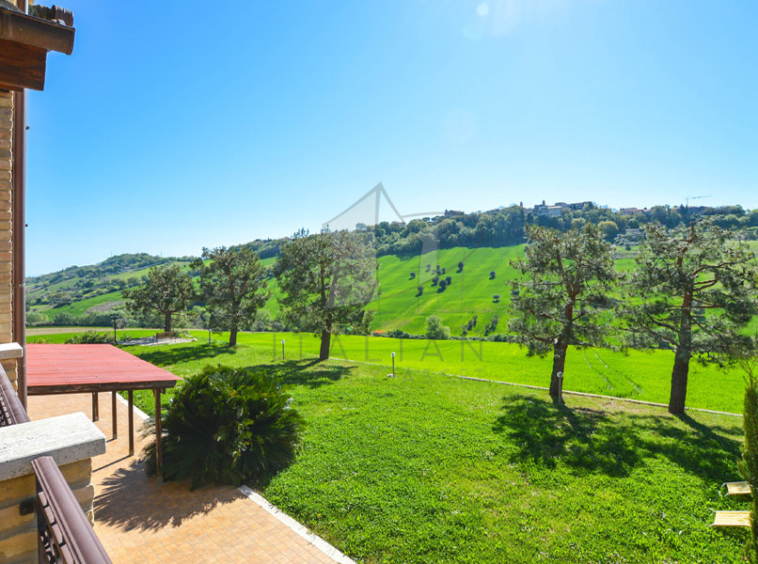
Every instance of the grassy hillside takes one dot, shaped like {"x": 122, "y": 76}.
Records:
{"x": 80, "y": 290}
{"x": 399, "y": 306}
{"x": 471, "y": 292}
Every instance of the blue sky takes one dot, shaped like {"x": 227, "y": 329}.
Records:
{"x": 186, "y": 126}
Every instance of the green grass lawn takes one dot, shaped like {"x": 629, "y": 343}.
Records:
{"x": 638, "y": 375}
{"x": 427, "y": 468}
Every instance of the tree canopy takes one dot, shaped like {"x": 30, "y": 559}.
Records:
{"x": 694, "y": 290}
{"x": 328, "y": 279}
{"x": 233, "y": 286}
{"x": 166, "y": 291}
{"x": 563, "y": 293}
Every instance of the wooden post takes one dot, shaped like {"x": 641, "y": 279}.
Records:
{"x": 95, "y": 408}
{"x": 113, "y": 415}
{"x": 158, "y": 433}
{"x": 130, "y": 401}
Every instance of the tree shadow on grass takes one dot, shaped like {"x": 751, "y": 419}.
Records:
{"x": 130, "y": 500}
{"x": 589, "y": 441}
{"x": 307, "y": 372}
{"x": 177, "y": 355}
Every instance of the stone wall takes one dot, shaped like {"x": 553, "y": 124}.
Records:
{"x": 6, "y": 229}
{"x": 72, "y": 440}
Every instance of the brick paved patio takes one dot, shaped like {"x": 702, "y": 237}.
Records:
{"x": 139, "y": 521}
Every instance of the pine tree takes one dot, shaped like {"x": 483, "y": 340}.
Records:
{"x": 563, "y": 293}
{"x": 328, "y": 280}
{"x": 694, "y": 290}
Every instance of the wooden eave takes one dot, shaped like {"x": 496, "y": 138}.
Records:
{"x": 24, "y": 43}
{"x": 35, "y": 32}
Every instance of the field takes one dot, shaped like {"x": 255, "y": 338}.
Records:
{"x": 639, "y": 375}
{"x": 428, "y": 468}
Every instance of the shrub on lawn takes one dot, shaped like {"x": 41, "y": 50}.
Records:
{"x": 435, "y": 329}
{"x": 492, "y": 274}
{"x": 226, "y": 426}
{"x": 90, "y": 338}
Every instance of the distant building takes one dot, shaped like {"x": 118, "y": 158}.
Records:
{"x": 451, "y": 213}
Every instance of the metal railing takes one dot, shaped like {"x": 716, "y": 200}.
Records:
{"x": 65, "y": 533}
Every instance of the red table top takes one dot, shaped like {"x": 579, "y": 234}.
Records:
{"x": 85, "y": 368}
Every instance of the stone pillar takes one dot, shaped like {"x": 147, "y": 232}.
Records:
{"x": 6, "y": 230}
{"x": 72, "y": 440}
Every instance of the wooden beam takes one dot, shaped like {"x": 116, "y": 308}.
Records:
{"x": 22, "y": 66}
{"x": 114, "y": 416}
{"x": 130, "y": 401}
{"x": 158, "y": 441}
{"x": 36, "y": 32}
{"x": 46, "y": 390}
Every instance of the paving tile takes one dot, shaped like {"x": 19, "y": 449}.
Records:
{"x": 139, "y": 521}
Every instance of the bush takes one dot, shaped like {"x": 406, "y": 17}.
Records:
{"x": 420, "y": 291}
{"x": 435, "y": 280}
{"x": 90, "y": 338}
{"x": 449, "y": 280}
{"x": 492, "y": 274}
{"x": 226, "y": 426}
{"x": 748, "y": 466}
{"x": 435, "y": 329}
{"x": 413, "y": 275}
{"x": 443, "y": 285}
{"x": 496, "y": 298}
{"x": 460, "y": 266}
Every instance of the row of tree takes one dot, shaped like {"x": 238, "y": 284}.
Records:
{"x": 327, "y": 280}
{"x": 693, "y": 290}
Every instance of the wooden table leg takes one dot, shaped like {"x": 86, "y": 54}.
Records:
{"x": 114, "y": 417}
{"x": 158, "y": 437}
{"x": 130, "y": 401}
{"x": 95, "y": 408}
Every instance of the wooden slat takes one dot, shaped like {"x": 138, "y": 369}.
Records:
{"x": 22, "y": 66}
{"x": 731, "y": 519}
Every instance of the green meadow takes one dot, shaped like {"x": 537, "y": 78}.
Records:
{"x": 637, "y": 375}
{"x": 429, "y": 468}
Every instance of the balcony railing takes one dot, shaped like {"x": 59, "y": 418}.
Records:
{"x": 65, "y": 534}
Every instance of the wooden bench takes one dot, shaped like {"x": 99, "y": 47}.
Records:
{"x": 731, "y": 519}
{"x": 736, "y": 488}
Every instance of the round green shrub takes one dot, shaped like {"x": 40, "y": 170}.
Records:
{"x": 226, "y": 426}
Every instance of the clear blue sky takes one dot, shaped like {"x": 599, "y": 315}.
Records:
{"x": 205, "y": 124}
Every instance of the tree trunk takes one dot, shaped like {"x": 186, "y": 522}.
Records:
{"x": 559, "y": 361}
{"x": 167, "y": 322}
{"x": 679, "y": 381}
{"x": 682, "y": 358}
{"x": 233, "y": 337}
{"x": 326, "y": 338}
